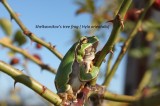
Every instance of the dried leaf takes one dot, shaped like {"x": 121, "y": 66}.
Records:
{"x": 19, "y": 38}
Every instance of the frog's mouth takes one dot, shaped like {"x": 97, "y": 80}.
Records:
{"x": 90, "y": 52}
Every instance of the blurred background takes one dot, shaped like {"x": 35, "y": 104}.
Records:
{"x": 143, "y": 54}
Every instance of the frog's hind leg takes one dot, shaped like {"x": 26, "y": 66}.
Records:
{"x": 64, "y": 98}
{"x": 67, "y": 95}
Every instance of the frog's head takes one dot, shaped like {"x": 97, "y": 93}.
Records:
{"x": 87, "y": 48}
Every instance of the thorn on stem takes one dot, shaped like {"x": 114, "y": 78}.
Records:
{"x": 11, "y": 17}
{"x": 140, "y": 11}
{"x": 44, "y": 66}
{"x": 52, "y": 46}
{"x": 110, "y": 21}
{"x": 28, "y": 33}
{"x": 121, "y": 21}
{"x": 43, "y": 90}
{"x": 123, "y": 48}
{"x": 17, "y": 14}
{"x": 111, "y": 51}
{"x": 140, "y": 29}
{"x": 104, "y": 60}
{"x": 15, "y": 84}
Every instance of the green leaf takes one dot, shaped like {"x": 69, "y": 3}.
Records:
{"x": 128, "y": 26}
{"x": 140, "y": 52}
{"x": 87, "y": 6}
{"x": 136, "y": 53}
{"x": 97, "y": 20}
{"x": 19, "y": 38}
{"x": 151, "y": 25}
{"x": 90, "y": 5}
{"x": 81, "y": 10}
{"x": 6, "y": 26}
{"x": 81, "y": 3}
{"x": 11, "y": 53}
{"x": 145, "y": 51}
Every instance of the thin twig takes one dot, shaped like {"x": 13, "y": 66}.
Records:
{"x": 109, "y": 63}
{"x": 5, "y": 42}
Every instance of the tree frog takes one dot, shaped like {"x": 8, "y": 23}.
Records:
{"x": 76, "y": 68}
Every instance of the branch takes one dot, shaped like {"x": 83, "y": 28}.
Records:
{"x": 152, "y": 100}
{"x": 115, "y": 97}
{"x": 32, "y": 36}
{"x": 117, "y": 23}
{"x": 144, "y": 82}
{"x": 127, "y": 43}
{"x": 5, "y": 42}
{"x": 108, "y": 67}
{"x": 18, "y": 76}
{"x": 109, "y": 63}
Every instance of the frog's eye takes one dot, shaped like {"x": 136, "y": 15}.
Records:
{"x": 84, "y": 40}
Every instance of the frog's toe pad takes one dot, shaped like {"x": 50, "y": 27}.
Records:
{"x": 66, "y": 104}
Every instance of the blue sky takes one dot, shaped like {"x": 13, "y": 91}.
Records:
{"x": 50, "y": 12}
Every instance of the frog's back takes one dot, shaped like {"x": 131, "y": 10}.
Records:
{"x": 65, "y": 68}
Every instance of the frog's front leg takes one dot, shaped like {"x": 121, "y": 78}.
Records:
{"x": 85, "y": 75}
{"x": 67, "y": 95}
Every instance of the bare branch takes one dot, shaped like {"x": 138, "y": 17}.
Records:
{"x": 5, "y": 42}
